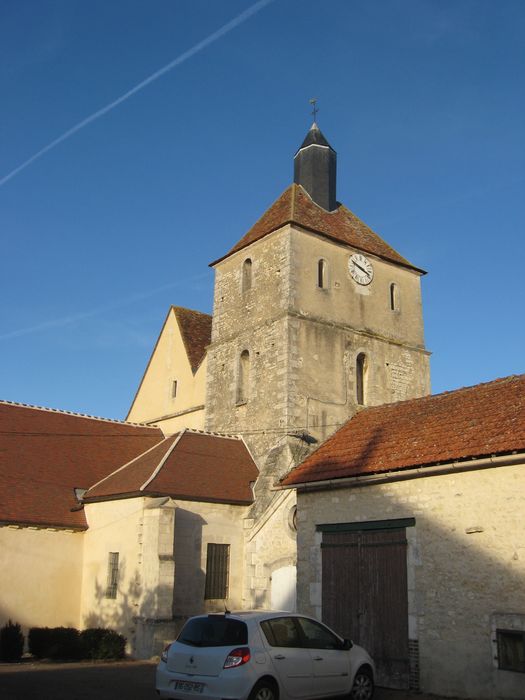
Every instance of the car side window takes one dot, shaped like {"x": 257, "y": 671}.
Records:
{"x": 281, "y": 632}
{"x": 317, "y": 636}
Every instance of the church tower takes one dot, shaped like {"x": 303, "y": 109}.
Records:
{"x": 315, "y": 316}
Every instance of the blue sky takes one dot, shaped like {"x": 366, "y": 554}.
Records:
{"x": 423, "y": 100}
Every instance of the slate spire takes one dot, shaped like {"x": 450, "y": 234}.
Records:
{"x": 315, "y": 166}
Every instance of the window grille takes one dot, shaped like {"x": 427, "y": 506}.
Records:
{"x": 217, "y": 566}
{"x": 111, "y": 587}
{"x": 511, "y": 650}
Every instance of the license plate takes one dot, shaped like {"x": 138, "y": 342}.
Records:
{"x": 189, "y": 686}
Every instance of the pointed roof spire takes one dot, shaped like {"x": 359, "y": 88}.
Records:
{"x": 315, "y": 165}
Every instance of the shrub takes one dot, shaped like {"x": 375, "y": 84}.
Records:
{"x": 68, "y": 643}
{"x": 54, "y": 642}
{"x": 99, "y": 643}
{"x": 11, "y": 642}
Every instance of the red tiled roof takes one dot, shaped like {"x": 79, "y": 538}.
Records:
{"x": 191, "y": 465}
{"x": 479, "y": 421}
{"x": 195, "y": 328}
{"x": 295, "y": 206}
{"x": 45, "y": 454}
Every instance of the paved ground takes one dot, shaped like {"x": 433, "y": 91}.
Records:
{"x": 130, "y": 680}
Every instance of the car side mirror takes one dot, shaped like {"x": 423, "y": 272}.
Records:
{"x": 347, "y": 644}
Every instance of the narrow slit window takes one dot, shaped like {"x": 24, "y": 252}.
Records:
{"x": 174, "y": 389}
{"x": 112, "y": 581}
{"x": 243, "y": 387}
{"x": 217, "y": 571}
{"x": 322, "y": 274}
{"x": 246, "y": 275}
{"x": 394, "y": 297}
{"x": 360, "y": 378}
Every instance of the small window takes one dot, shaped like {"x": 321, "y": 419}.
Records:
{"x": 394, "y": 297}
{"x": 511, "y": 650}
{"x": 217, "y": 567}
{"x": 246, "y": 275}
{"x": 112, "y": 582}
{"x": 243, "y": 382}
{"x": 174, "y": 389}
{"x": 322, "y": 274}
{"x": 360, "y": 378}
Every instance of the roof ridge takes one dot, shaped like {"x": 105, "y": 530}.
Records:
{"x": 448, "y": 392}
{"x": 176, "y": 307}
{"x": 131, "y": 461}
{"x": 228, "y": 436}
{"x": 75, "y": 414}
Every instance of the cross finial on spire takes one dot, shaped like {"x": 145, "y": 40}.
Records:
{"x": 313, "y": 102}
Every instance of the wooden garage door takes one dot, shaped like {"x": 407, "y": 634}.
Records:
{"x": 364, "y": 597}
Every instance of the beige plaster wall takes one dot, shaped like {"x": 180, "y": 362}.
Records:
{"x": 115, "y": 526}
{"x": 162, "y": 547}
{"x": 40, "y": 577}
{"x": 466, "y": 562}
{"x": 154, "y": 401}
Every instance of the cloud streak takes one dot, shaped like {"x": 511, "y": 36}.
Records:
{"x": 210, "y": 39}
{"x": 82, "y": 315}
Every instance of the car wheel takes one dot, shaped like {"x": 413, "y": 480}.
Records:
{"x": 363, "y": 688}
{"x": 264, "y": 690}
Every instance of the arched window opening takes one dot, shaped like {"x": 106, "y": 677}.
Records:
{"x": 243, "y": 384}
{"x": 246, "y": 275}
{"x": 394, "y": 297}
{"x": 322, "y": 274}
{"x": 360, "y": 378}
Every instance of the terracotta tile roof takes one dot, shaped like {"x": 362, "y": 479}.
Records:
{"x": 295, "y": 207}
{"x": 191, "y": 465}
{"x": 195, "y": 328}
{"x": 45, "y": 454}
{"x": 479, "y": 421}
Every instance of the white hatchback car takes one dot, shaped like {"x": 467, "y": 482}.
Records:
{"x": 262, "y": 656}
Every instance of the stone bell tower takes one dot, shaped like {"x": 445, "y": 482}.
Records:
{"x": 314, "y": 317}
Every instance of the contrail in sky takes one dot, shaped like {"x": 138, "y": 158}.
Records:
{"x": 73, "y": 318}
{"x": 225, "y": 29}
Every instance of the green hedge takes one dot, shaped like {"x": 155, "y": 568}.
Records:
{"x": 67, "y": 643}
{"x": 11, "y": 642}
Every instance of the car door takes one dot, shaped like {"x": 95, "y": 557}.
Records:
{"x": 330, "y": 662}
{"x": 291, "y": 661}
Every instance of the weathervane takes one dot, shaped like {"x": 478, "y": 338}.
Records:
{"x": 313, "y": 102}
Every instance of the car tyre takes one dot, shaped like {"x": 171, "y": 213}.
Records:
{"x": 363, "y": 687}
{"x": 264, "y": 690}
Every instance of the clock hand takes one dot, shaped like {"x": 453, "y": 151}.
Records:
{"x": 362, "y": 269}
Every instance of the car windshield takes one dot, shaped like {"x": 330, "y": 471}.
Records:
{"x": 214, "y": 631}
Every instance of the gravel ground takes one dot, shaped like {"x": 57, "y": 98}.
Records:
{"x": 132, "y": 680}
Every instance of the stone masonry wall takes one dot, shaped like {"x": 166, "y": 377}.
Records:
{"x": 466, "y": 565}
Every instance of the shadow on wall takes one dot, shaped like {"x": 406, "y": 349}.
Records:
{"x": 149, "y": 618}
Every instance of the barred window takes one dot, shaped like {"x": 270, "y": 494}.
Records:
{"x": 217, "y": 565}
{"x": 112, "y": 583}
{"x": 511, "y": 650}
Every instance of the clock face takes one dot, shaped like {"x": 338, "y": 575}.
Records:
{"x": 360, "y": 269}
